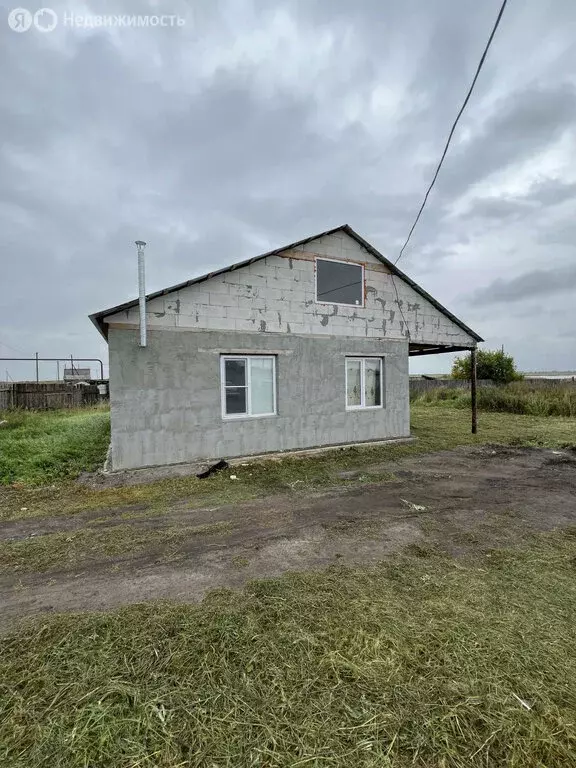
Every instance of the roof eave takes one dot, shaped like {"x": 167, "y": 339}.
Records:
{"x": 97, "y": 317}
{"x": 425, "y": 295}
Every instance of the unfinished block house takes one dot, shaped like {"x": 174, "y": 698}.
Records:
{"x": 301, "y": 347}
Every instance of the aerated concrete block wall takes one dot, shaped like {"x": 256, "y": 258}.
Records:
{"x": 166, "y": 402}
{"x": 277, "y": 295}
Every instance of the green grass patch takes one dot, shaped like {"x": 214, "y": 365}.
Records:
{"x": 47, "y": 446}
{"x": 55, "y": 551}
{"x": 437, "y": 427}
{"x": 423, "y": 661}
{"x": 519, "y": 397}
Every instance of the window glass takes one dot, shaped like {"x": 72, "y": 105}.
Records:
{"x": 339, "y": 282}
{"x": 364, "y": 382}
{"x": 353, "y": 382}
{"x": 235, "y": 372}
{"x": 262, "y": 385}
{"x": 235, "y": 400}
{"x": 372, "y": 386}
{"x": 248, "y": 385}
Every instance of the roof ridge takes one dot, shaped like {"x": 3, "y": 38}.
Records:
{"x": 97, "y": 317}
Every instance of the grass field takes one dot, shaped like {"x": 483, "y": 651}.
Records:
{"x": 62, "y": 550}
{"x": 44, "y": 486}
{"x": 424, "y": 660}
{"x": 46, "y": 446}
{"x": 520, "y": 397}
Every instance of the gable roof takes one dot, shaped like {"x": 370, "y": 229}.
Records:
{"x": 98, "y": 317}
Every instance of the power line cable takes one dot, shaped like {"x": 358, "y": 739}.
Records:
{"x": 444, "y": 153}
{"x": 339, "y": 288}
{"x": 454, "y": 124}
{"x": 8, "y": 346}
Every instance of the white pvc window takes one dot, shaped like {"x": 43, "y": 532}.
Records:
{"x": 248, "y": 385}
{"x": 364, "y": 382}
{"x": 339, "y": 282}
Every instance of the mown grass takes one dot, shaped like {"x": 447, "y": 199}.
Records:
{"x": 436, "y": 427}
{"x": 46, "y": 446}
{"x": 519, "y": 398}
{"x": 422, "y": 661}
{"x": 55, "y": 551}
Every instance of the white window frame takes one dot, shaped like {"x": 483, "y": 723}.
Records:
{"x": 362, "y": 361}
{"x": 338, "y": 261}
{"x": 248, "y": 414}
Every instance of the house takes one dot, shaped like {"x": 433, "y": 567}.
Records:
{"x": 300, "y": 347}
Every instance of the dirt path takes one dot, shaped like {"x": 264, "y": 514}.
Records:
{"x": 457, "y": 501}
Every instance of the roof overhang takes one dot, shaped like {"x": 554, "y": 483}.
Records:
{"x": 417, "y": 350}
{"x": 98, "y": 317}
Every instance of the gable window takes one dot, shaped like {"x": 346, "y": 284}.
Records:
{"x": 248, "y": 385}
{"x": 339, "y": 282}
{"x": 364, "y": 382}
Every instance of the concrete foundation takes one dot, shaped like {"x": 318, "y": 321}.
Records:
{"x": 166, "y": 398}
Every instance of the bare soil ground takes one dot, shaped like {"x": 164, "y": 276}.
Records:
{"x": 454, "y": 501}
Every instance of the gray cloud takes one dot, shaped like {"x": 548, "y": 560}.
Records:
{"x": 257, "y": 123}
{"x": 521, "y": 126}
{"x": 541, "y": 195}
{"x": 538, "y": 283}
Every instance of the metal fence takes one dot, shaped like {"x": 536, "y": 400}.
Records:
{"x": 47, "y": 395}
{"x": 420, "y": 386}
{"x": 541, "y": 383}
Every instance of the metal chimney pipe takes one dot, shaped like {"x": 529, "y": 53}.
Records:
{"x": 140, "y": 244}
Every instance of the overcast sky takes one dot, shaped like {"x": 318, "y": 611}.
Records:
{"x": 258, "y": 123}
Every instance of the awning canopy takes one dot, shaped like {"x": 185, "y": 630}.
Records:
{"x": 415, "y": 350}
